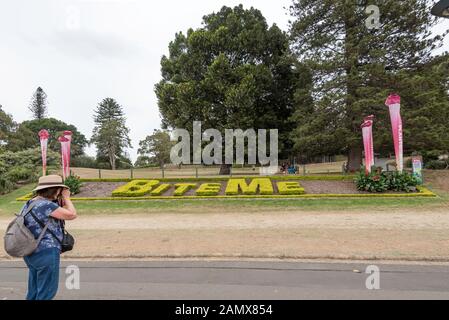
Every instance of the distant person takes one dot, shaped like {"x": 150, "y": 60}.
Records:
{"x": 52, "y": 205}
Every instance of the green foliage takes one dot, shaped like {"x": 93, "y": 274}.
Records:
{"x": 84, "y": 162}
{"x": 354, "y": 69}
{"x": 6, "y": 126}
{"x": 24, "y": 173}
{"x": 233, "y": 72}
{"x": 38, "y": 105}
{"x": 135, "y": 188}
{"x": 438, "y": 165}
{"x": 383, "y": 181}
{"x": 74, "y": 183}
{"x": 26, "y": 136}
{"x": 110, "y": 134}
{"x": 156, "y": 147}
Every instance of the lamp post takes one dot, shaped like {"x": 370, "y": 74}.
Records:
{"x": 441, "y": 9}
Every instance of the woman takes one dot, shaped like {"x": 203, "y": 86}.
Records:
{"x": 52, "y": 205}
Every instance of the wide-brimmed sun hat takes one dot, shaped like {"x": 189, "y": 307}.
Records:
{"x": 51, "y": 181}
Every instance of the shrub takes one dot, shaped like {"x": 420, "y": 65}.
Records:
{"x": 437, "y": 165}
{"x": 182, "y": 188}
{"x": 74, "y": 183}
{"x": 6, "y": 185}
{"x": 159, "y": 191}
{"x": 381, "y": 182}
{"x": 397, "y": 181}
{"x": 264, "y": 186}
{"x": 24, "y": 173}
{"x": 375, "y": 182}
{"x": 209, "y": 189}
{"x": 136, "y": 188}
{"x": 84, "y": 162}
{"x": 290, "y": 188}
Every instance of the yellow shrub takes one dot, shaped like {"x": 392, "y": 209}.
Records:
{"x": 264, "y": 186}
{"x": 159, "y": 191}
{"x": 290, "y": 188}
{"x": 209, "y": 189}
{"x": 182, "y": 188}
{"x": 136, "y": 188}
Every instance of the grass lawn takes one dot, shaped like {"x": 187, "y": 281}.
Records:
{"x": 9, "y": 206}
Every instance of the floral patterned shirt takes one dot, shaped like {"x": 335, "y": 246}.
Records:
{"x": 42, "y": 210}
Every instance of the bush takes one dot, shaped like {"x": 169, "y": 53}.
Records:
{"x": 397, "y": 181}
{"x": 84, "y": 162}
{"x": 290, "y": 188}
{"x": 381, "y": 182}
{"x": 437, "y": 165}
{"x": 26, "y": 174}
{"x": 209, "y": 189}
{"x": 136, "y": 188}
{"x": 6, "y": 185}
{"x": 74, "y": 183}
{"x": 374, "y": 182}
{"x": 159, "y": 191}
{"x": 264, "y": 186}
{"x": 182, "y": 188}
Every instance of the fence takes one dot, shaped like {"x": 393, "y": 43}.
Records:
{"x": 196, "y": 172}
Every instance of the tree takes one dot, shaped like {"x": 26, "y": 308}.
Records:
{"x": 26, "y": 136}
{"x": 6, "y": 126}
{"x": 355, "y": 68}
{"x": 156, "y": 147}
{"x": 110, "y": 134}
{"x": 235, "y": 72}
{"x": 38, "y": 105}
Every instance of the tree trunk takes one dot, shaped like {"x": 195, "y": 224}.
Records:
{"x": 225, "y": 170}
{"x": 354, "y": 159}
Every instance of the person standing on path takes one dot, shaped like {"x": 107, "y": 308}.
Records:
{"x": 51, "y": 204}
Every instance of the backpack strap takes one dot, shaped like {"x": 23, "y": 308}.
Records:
{"x": 45, "y": 227}
{"x": 41, "y": 224}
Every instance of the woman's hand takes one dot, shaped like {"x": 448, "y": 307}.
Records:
{"x": 65, "y": 193}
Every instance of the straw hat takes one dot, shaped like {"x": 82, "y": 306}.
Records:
{"x": 50, "y": 181}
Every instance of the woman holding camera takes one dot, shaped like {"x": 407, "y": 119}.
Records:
{"x": 52, "y": 206}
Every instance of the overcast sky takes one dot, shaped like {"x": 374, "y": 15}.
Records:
{"x": 81, "y": 51}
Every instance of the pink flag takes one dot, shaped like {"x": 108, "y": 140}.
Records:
{"x": 68, "y": 136}
{"x": 371, "y": 118}
{"x": 43, "y": 136}
{"x": 367, "y": 131}
{"x": 65, "y": 156}
{"x": 394, "y": 104}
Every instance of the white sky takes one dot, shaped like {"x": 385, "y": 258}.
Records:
{"x": 81, "y": 51}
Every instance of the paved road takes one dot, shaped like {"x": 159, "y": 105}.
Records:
{"x": 235, "y": 280}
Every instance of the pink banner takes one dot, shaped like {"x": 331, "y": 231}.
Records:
{"x": 367, "y": 131}
{"x": 65, "y": 156}
{"x": 44, "y": 136}
{"x": 371, "y": 118}
{"x": 68, "y": 136}
{"x": 394, "y": 104}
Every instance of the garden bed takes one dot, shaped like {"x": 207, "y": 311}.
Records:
{"x": 245, "y": 187}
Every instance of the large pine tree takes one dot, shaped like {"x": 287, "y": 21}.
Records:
{"x": 38, "y": 105}
{"x": 355, "y": 68}
{"x": 110, "y": 134}
{"x": 235, "y": 72}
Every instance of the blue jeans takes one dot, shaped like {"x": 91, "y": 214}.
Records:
{"x": 43, "y": 276}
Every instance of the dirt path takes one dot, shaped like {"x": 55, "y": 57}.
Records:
{"x": 395, "y": 235}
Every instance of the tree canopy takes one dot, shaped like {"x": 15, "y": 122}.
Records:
{"x": 355, "y": 68}
{"x": 235, "y": 72}
{"x": 110, "y": 134}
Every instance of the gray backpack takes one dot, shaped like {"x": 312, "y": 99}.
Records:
{"x": 19, "y": 241}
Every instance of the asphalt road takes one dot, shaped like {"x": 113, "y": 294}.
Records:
{"x": 199, "y": 280}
